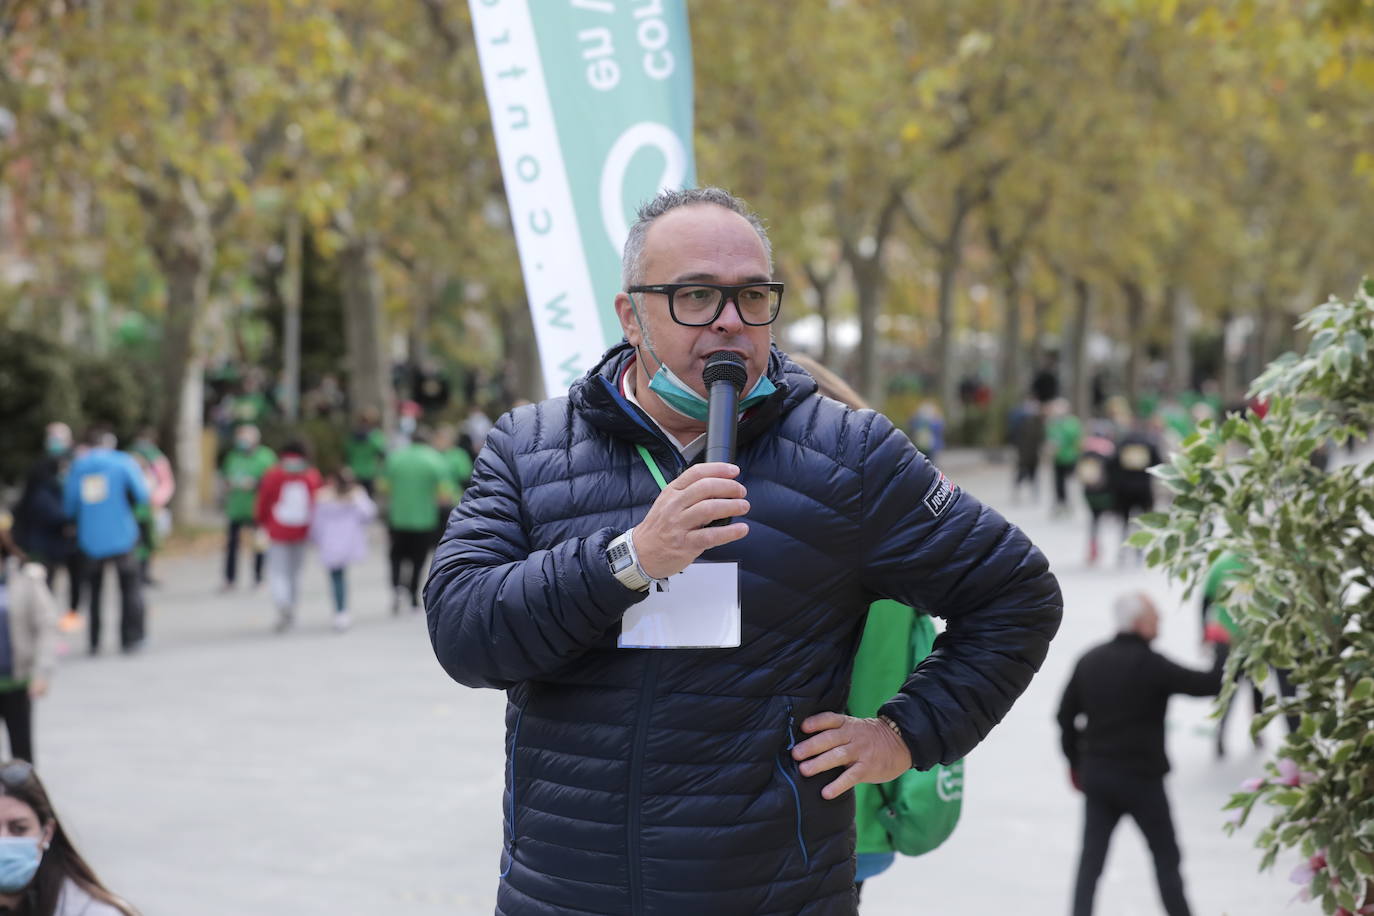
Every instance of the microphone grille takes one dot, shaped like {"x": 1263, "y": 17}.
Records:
{"x": 724, "y": 366}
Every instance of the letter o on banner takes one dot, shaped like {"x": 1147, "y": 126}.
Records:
{"x": 645, "y": 134}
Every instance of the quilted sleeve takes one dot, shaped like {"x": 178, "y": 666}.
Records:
{"x": 500, "y": 613}
{"x": 928, "y": 544}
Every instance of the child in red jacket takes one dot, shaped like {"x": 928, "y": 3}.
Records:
{"x": 285, "y": 506}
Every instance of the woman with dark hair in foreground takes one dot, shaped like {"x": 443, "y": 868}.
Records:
{"x": 41, "y": 873}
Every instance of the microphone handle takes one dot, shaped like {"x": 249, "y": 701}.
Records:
{"x": 721, "y": 426}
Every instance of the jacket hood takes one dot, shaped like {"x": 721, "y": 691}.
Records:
{"x": 597, "y": 397}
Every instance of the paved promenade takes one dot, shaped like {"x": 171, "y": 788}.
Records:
{"x": 229, "y": 771}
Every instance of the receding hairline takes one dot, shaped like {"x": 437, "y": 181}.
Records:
{"x": 668, "y": 201}
{"x": 699, "y": 207}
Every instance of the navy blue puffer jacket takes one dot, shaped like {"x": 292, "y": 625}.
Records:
{"x": 659, "y": 781}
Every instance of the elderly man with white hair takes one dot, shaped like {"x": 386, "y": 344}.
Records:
{"x": 1112, "y": 720}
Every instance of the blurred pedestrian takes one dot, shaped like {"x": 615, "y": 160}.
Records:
{"x": 365, "y": 450}
{"x": 458, "y": 462}
{"x": 103, "y": 490}
{"x": 1045, "y": 384}
{"x": 1111, "y": 720}
{"x": 242, "y": 473}
{"x": 1137, "y": 450}
{"x": 1219, "y": 628}
{"x": 476, "y": 427}
{"x": 161, "y": 487}
{"x": 41, "y": 873}
{"x": 1065, "y": 434}
{"x": 28, "y": 643}
{"x": 927, "y": 430}
{"x": 416, "y": 482}
{"x": 339, "y": 530}
{"x": 41, "y": 527}
{"x": 284, "y": 509}
{"x": 1095, "y": 464}
{"x": 1028, "y": 440}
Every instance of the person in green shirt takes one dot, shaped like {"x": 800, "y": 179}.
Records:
{"x": 416, "y": 481}
{"x": 365, "y": 449}
{"x": 242, "y": 472}
{"x": 1065, "y": 435}
{"x": 1220, "y": 628}
{"x": 458, "y": 462}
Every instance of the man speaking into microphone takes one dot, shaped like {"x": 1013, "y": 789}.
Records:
{"x": 674, "y": 737}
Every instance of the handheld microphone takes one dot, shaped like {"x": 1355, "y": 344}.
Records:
{"x": 724, "y": 376}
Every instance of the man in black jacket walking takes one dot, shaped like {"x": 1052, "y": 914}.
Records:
{"x": 1117, "y": 758}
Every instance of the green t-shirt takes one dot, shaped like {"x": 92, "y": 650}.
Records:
{"x": 243, "y": 472}
{"x": 365, "y": 454}
{"x": 249, "y": 408}
{"x": 459, "y": 464}
{"x": 416, "y": 480}
{"x": 1066, "y": 435}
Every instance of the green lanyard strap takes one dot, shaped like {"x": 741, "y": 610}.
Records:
{"x": 652, "y": 465}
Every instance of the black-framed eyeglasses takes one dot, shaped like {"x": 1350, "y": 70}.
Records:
{"x": 699, "y": 304}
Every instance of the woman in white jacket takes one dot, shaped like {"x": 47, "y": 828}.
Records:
{"x": 28, "y": 644}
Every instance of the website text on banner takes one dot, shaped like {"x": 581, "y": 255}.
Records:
{"x": 591, "y": 104}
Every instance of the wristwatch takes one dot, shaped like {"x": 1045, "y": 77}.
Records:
{"x": 620, "y": 554}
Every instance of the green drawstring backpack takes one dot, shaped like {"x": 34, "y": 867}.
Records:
{"x": 919, "y": 809}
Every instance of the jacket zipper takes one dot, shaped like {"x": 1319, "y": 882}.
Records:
{"x": 514, "y": 746}
{"x": 792, "y": 783}
{"x": 646, "y": 699}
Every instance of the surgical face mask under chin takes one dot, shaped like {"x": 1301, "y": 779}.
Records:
{"x": 674, "y": 392}
{"x": 19, "y": 858}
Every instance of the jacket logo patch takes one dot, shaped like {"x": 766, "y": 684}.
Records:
{"x": 940, "y": 495}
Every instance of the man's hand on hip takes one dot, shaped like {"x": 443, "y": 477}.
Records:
{"x": 674, "y": 533}
{"x": 868, "y": 749}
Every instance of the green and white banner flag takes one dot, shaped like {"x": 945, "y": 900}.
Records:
{"x": 591, "y": 104}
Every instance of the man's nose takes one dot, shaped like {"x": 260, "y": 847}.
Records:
{"x": 729, "y": 321}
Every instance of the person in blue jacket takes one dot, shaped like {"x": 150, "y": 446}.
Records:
{"x": 101, "y": 493}
{"x": 713, "y": 777}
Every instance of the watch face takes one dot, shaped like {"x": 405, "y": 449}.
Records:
{"x": 619, "y": 556}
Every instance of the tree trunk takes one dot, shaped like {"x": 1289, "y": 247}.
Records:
{"x": 369, "y": 372}
{"x": 291, "y": 319}
{"x": 1011, "y": 384}
{"x": 1136, "y": 307}
{"x": 1040, "y": 315}
{"x": 821, "y": 284}
{"x": 184, "y": 248}
{"x": 1076, "y": 349}
{"x": 522, "y": 376}
{"x": 1180, "y": 307}
{"x": 948, "y": 384}
{"x": 868, "y": 290}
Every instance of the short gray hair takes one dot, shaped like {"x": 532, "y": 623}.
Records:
{"x": 631, "y": 262}
{"x": 1129, "y": 608}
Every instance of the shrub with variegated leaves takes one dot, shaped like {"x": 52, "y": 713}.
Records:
{"x": 1248, "y": 485}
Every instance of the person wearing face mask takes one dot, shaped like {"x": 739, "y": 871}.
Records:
{"x": 676, "y": 738}
{"x": 242, "y": 473}
{"x": 41, "y": 527}
{"x": 41, "y": 873}
{"x": 28, "y": 643}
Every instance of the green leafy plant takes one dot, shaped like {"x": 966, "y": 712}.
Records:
{"x": 1249, "y": 485}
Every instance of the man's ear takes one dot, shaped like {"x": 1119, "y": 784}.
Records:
{"x": 624, "y": 310}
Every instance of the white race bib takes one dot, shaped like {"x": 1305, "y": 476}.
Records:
{"x": 95, "y": 489}
{"x": 699, "y": 611}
